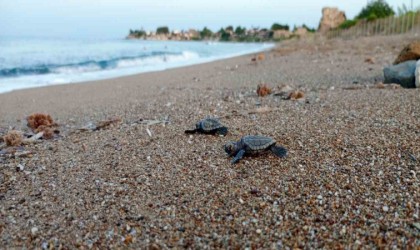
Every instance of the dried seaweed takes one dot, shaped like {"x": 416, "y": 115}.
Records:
{"x": 381, "y": 85}
{"x": 296, "y": 95}
{"x": 101, "y": 124}
{"x": 263, "y": 90}
{"x": 261, "y": 57}
{"x": 42, "y": 123}
{"x": 48, "y": 133}
{"x": 370, "y": 60}
{"x": 36, "y": 120}
{"x": 107, "y": 123}
{"x": 128, "y": 239}
{"x": 13, "y": 138}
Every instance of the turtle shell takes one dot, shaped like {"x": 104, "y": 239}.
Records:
{"x": 257, "y": 143}
{"x": 209, "y": 124}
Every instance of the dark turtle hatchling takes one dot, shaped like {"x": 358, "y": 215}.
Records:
{"x": 209, "y": 126}
{"x": 253, "y": 144}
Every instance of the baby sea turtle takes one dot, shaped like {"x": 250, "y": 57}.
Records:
{"x": 253, "y": 144}
{"x": 209, "y": 126}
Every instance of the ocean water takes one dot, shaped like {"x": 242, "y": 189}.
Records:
{"x": 28, "y": 63}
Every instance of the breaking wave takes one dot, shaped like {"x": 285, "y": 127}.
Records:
{"x": 156, "y": 57}
{"x": 28, "y": 63}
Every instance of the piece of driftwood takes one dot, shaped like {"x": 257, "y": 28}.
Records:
{"x": 106, "y": 123}
{"x": 33, "y": 139}
{"x": 100, "y": 125}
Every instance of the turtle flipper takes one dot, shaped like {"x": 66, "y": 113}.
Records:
{"x": 222, "y": 131}
{"x": 192, "y": 131}
{"x": 238, "y": 156}
{"x": 279, "y": 151}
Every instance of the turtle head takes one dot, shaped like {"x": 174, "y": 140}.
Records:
{"x": 231, "y": 148}
{"x": 198, "y": 125}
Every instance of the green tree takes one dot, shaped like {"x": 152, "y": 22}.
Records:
{"x": 239, "y": 31}
{"x": 138, "y": 33}
{"x": 224, "y": 35}
{"x": 376, "y": 9}
{"x": 347, "y": 24}
{"x": 229, "y": 28}
{"x": 206, "y": 33}
{"x": 277, "y": 26}
{"x": 162, "y": 30}
{"x": 312, "y": 30}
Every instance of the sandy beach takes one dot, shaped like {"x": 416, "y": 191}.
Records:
{"x": 351, "y": 178}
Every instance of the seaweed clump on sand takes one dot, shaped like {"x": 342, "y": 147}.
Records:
{"x": 42, "y": 123}
{"x": 263, "y": 90}
{"x": 296, "y": 95}
{"x": 259, "y": 57}
{"x": 13, "y": 138}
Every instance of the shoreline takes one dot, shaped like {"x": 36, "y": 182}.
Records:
{"x": 118, "y": 72}
{"x": 349, "y": 179}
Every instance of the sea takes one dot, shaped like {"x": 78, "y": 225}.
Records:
{"x": 29, "y": 62}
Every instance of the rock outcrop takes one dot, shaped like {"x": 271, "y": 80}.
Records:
{"x": 331, "y": 18}
{"x": 410, "y": 52}
{"x": 403, "y": 74}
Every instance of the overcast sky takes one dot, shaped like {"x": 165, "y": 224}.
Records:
{"x": 113, "y": 18}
